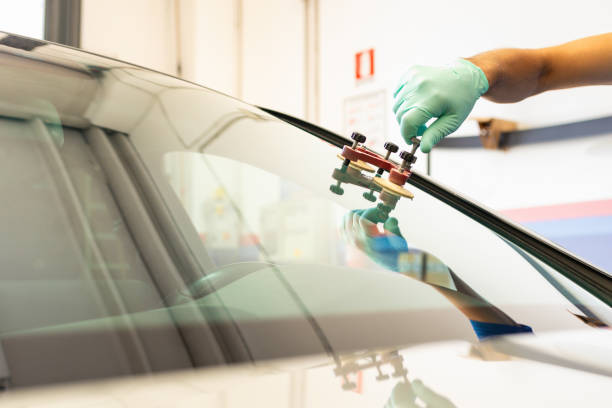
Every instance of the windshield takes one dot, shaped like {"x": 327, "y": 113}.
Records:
{"x": 151, "y": 225}
{"x": 266, "y": 203}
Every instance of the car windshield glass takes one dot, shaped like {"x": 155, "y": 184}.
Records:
{"x": 260, "y": 192}
{"x": 151, "y": 224}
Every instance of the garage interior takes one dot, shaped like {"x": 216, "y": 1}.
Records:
{"x": 335, "y": 64}
{"x": 544, "y": 163}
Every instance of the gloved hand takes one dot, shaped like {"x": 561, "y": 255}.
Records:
{"x": 383, "y": 247}
{"x": 447, "y": 93}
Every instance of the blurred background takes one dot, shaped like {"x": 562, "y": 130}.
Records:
{"x": 336, "y": 62}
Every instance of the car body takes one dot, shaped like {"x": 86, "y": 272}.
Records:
{"x": 171, "y": 245}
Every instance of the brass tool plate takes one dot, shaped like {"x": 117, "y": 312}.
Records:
{"x": 393, "y": 188}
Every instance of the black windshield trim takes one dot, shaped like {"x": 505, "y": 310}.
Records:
{"x": 590, "y": 278}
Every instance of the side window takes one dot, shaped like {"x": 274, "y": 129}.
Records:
{"x": 65, "y": 247}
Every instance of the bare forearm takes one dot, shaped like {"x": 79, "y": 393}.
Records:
{"x": 515, "y": 74}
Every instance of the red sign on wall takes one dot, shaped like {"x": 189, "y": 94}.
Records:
{"x": 364, "y": 64}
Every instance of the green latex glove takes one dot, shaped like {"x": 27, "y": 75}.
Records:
{"x": 447, "y": 93}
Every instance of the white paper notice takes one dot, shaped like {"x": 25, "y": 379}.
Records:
{"x": 366, "y": 114}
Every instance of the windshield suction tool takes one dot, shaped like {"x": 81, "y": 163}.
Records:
{"x": 350, "y": 171}
{"x": 358, "y": 161}
{"x": 390, "y": 148}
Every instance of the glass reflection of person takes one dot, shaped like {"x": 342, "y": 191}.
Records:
{"x": 389, "y": 249}
{"x": 404, "y": 395}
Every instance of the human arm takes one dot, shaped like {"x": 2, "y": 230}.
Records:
{"x": 507, "y": 75}
{"x": 515, "y": 74}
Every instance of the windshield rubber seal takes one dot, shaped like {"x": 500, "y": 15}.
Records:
{"x": 594, "y": 280}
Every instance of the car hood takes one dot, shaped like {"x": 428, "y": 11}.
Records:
{"x": 555, "y": 369}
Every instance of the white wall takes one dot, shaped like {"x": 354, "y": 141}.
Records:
{"x": 254, "y": 50}
{"x": 273, "y": 66}
{"x": 200, "y": 34}
{"x": 137, "y": 31}
{"x": 25, "y": 17}
{"x": 209, "y": 43}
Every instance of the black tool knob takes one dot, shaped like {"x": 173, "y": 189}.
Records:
{"x": 358, "y": 137}
{"x": 408, "y": 159}
{"x": 391, "y": 147}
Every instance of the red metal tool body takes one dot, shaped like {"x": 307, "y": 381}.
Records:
{"x": 396, "y": 174}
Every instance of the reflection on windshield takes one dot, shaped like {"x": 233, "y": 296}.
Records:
{"x": 389, "y": 366}
{"x": 390, "y": 249}
{"x": 245, "y": 214}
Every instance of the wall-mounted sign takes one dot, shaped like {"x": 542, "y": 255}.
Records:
{"x": 364, "y": 64}
{"x": 366, "y": 114}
